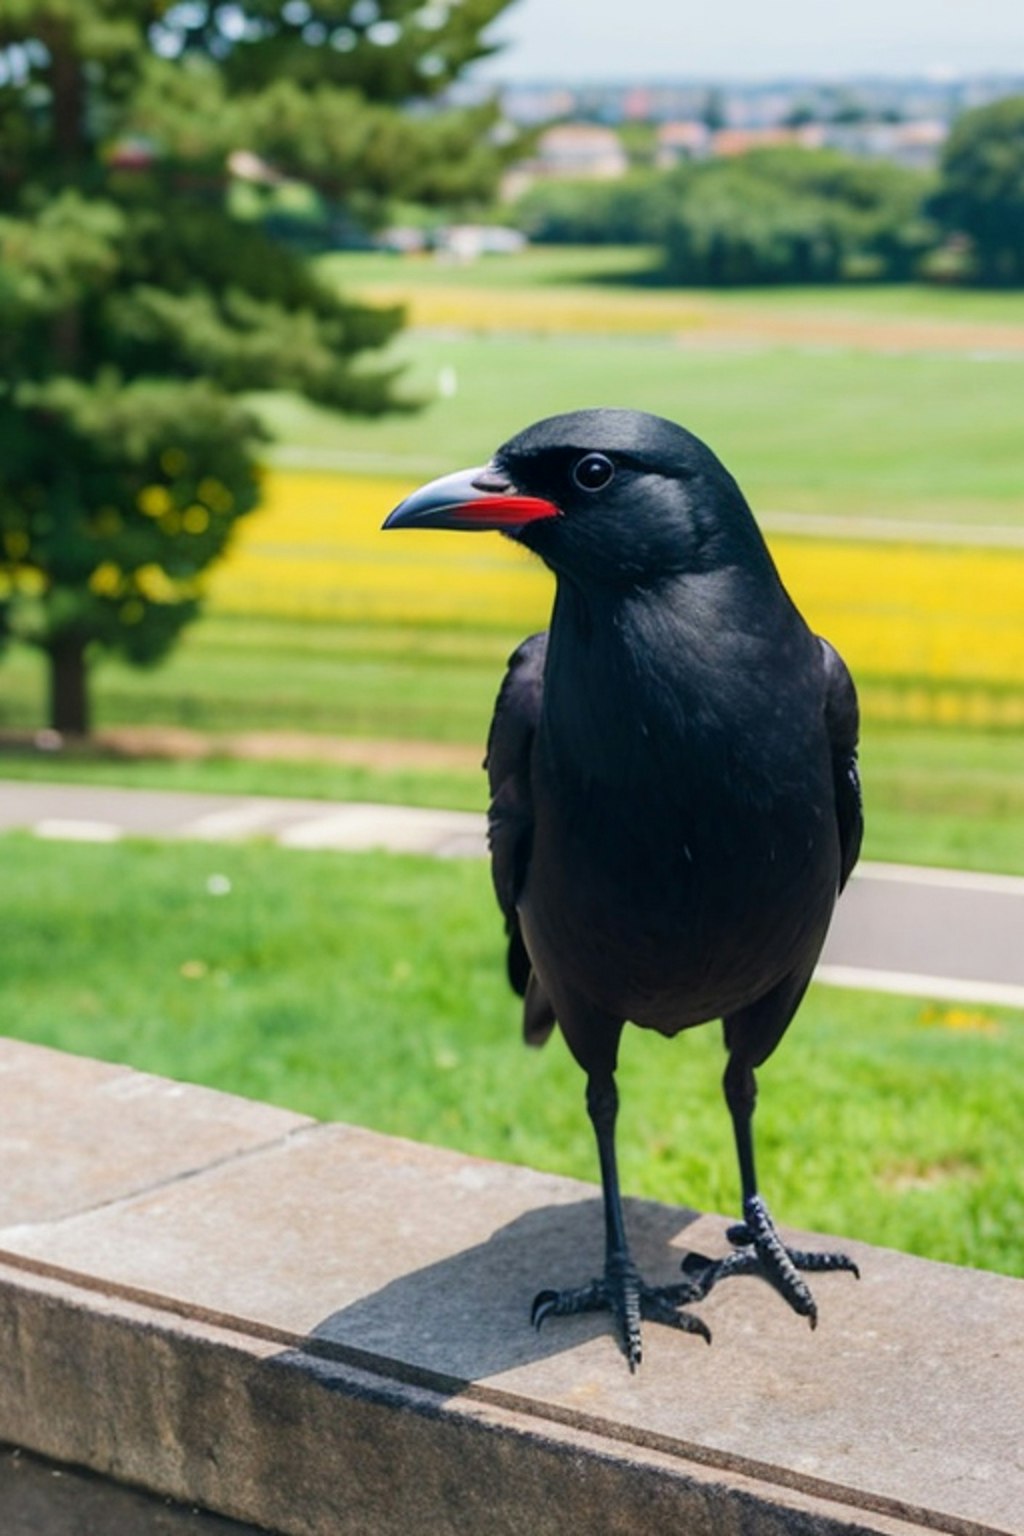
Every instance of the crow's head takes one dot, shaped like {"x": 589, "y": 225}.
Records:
{"x": 608, "y": 496}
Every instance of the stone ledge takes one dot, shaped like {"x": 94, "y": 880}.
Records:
{"x": 40, "y": 1498}
{"x": 320, "y": 1330}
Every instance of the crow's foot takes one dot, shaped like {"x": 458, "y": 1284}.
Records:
{"x": 623, "y": 1293}
{"x": 760, "y": 1251}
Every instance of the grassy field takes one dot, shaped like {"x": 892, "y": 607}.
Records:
{"x": 893, "y": 401}
{"x": 935, "y": 794}
{"x": 625, "y": 277}
{"x": 332, "y": 619}
{"x": 899, "y": 612}
{"x": 933, "y": 636}
{"x": 321, "y": 625}
{"x": 353, "y": 665}
{"x": 886, "y": 429}
{"x": 879, "y": 1117}
{"x": 820, "y": 430}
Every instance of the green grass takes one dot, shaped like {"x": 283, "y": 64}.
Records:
{"x": 935, "y": 795}
{"x": 446, "y": 789}
{"x": 628, "y": 270}
{"x": 370, "y": 988}
{"x": 944, "y": 797}
{"x": 539, "y": 266}
{"x": 914, "y": 436}
{"x": 807, "y": 425}
{"x": 339, "y": 679}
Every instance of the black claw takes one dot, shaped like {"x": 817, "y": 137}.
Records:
{"x": 622, "y": 1293}
{"x": 660, "y": 1306}
{"x": 759, "y": 1250}
{"x": 821, "y": 1262}
{"x": 543, "y": 1305}
{"x": 707, "y": 1272}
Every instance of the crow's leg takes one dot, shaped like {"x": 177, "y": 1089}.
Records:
{"x": 759, "y": 1249}
{"x": 620, "y": 1290}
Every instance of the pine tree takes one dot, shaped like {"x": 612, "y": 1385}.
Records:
{"x": 134, "y": 307}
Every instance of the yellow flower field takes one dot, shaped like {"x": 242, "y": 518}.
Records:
{"x": 931, "y": 633}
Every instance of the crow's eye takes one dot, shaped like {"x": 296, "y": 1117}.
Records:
{"x": 593, "y": 472}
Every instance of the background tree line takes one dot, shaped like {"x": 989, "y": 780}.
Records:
{"x": 794, "y": 215}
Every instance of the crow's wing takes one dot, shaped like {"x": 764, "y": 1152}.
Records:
{"x": 842, "y": 720}
{"x": 510, "y": 815}
{"x": 752, "y": 1033}
{"x": 509, "y": 753}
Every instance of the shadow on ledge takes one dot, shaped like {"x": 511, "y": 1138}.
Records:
{"x": 467, "y": 1317}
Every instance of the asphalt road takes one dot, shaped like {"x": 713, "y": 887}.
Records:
{"x": 933, "y": 933}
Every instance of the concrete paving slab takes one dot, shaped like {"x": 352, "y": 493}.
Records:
{"x": 100, "y": 813}
{"x": 400, "y": 828}
{"x": 142, "y": 813}
{"x": 418, "y": 1265}
{"x": 305, "y": 1445}
{"x": 76, "y": 1134}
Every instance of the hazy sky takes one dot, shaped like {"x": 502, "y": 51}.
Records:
{"x": 673, "y": 39}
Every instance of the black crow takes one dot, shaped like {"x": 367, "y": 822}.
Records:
{"x": 675, "y": 802}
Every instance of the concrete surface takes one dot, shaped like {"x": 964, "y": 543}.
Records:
{"x": 40, "y": 1498}
{"x": 939, "y": 933}
{"x": 97, "y": 813}
{"x": 326, "y": 1331}
{"x": 72, "y": 1132}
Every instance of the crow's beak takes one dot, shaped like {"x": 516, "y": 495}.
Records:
{"x": 471, "y": 498}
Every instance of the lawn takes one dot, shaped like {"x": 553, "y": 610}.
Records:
{"x": 893, "y": 401}
{"x": 370, "y": 988}
{"x": 932, "y": 633}
{"x": 897, "y": 433}
{"x": 625, "y": 278}
{"x": 935, "y": 794}
{"x": 817, "y": 429}
{"x": 898, "y": 611}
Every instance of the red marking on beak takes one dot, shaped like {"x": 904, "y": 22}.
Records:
{"x": 471, "y": 499}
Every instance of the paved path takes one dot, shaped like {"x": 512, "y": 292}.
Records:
{"x": 926, "y": 932}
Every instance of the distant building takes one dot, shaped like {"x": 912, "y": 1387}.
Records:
{"x": 530, "y": 105}
{"x": 403, "y": 240}
{"x": 917, "y": 144}
{"x": 677, "y": 142}
{"x": 744, "y": 104}
{"x": 468, "y": 242}
{"x": 580, "y": 151}
{"x": 453, "y": 242}
{"x": 638, "y": 105}
{"x": 740, "y": 141}
{"x": 905, "y": 120}
{"x": 568, "y": 152}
